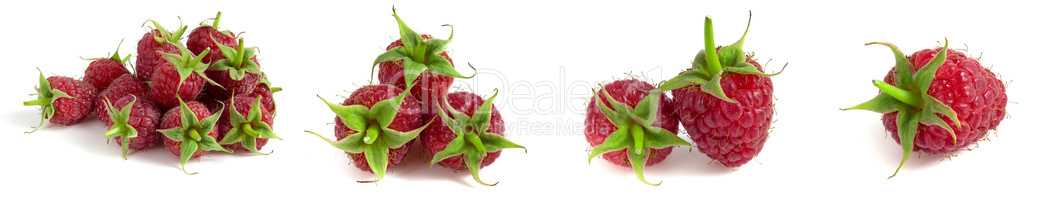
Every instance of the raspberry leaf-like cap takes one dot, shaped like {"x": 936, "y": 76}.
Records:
{"x": 45, "y": 98}
{"x": 472, "y": 139}
{"x": 711, "y": 64}
{"x": 187, "y": 64}
{"x": 166, "y": 36}
{"x": 418, "y": 54}
{"x": 237, "y": 61}
{"x": 372, "y": 137}
{"x": 636, "y": 131}
{"x": 245, "y": 129}
{"x": 910, "y": 99}
{"x": 121, "y": 128}
{"x": 116, "y": 55}
{"x": 193, "y": 134}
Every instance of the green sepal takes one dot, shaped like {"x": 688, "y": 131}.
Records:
{"x": 472, "y": 139}
{"x": 187, "y": 64}
{"x": 237, "y": 61}
{"x": 684, "y": 79}
{"x": 637, "y": 162}
{"x": 45, "y": 98}
{"x": 473, "y": 159}
{"x": 711, "y": 63}
{"x": 910, "y": 100}
{"x": 246, "y": 129}
{"x": 116, "y": 55}
{"x": 166, "y": 36}
{"x": 121, "y": 128}
{"x": 193, "y": 134}
{"x": 418, "y": 55}
{"x": 386, "y": 110}
{"x": 636, "y": 131}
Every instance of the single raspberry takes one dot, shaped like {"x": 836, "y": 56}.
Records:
{"x": 937, "y": 101}
{"x": 247, "y": 126}
{"x": 374, "y": 125}
{"x": 724, "y": 101}
{"x": 632, "y": 124}
{"x": 475, "y": 120}
{"x": 424, "y": 59}
{"x": 62, "y": 100}
{"x": 152, "y": 47}
{"x": 208, "y": 36}
{"x": 235, "y": 72}
{"x": 125, "y": 85}
{"x": 190, "y": 140}
{"x": 132, "y": 123}
{"x": 102, "y": 71}
{"x": 182, "y": 76}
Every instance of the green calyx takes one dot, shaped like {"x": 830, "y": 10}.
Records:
{"x": 472, "y": 140}
{"x": 246, "y": 129}
{"x": 237, "y": 61}
{"x": 910, "y": 99}
{"x": 121, "y": 128}
{"x": 418, "y": 54}
{"x": 711, "y": 64}
{"x": 636, "y": 131}
{"x": 193, "y": 134}
{"x": 164, "y": 36}
{"x": 187, "y": 64}
{"x": 45, "y": 98}
{"x": 116, "y": 55}
{"x": 372, "y": 135}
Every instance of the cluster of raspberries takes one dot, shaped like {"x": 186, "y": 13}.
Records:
{"x": 378, "y": 124}
{"x": 207, "y": 94}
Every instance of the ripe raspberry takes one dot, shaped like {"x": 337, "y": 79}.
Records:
{"x": 374, "y": 125}
{"x": 731, "y": 133}
{"x": 209, "y": 36}
{"x": 249, "y": 128}
{"x": 426, "y": 58}
{"x": 972, "y": 91}
{"x": 728, "y": 112}
{"x": 937, "y": 101}
{"x": 62, "y": 100}
{"x": 102, "y": 71}
{"x": 613, "y": 132}
{"x": 235, "y": 72}
{"x": 478, "y": 119}
{"x": 190, "y": 140}
{"x": 152, "y": 47}
{"x": 132, "y": 123}
{"x": 125, "y": 85}
{"x": 182, "y": 76}
{"x": 430, "y": 86}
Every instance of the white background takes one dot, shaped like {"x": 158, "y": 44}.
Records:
{"x": 544, "y": 56}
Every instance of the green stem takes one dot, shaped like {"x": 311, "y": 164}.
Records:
{"x": 239, "y": 63}
{"x": 639, "y": 138}
{"x": 215, "y": 23}
{"x": 899, "y": 94}
{"x": 372, "y": 134}
{"x": 713, "y": 64}
{"x": 476, "y": 142}
{"x": 249, "y": 131}
{"x": 194, "y": 135}
{"x": 37, "y": 102}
